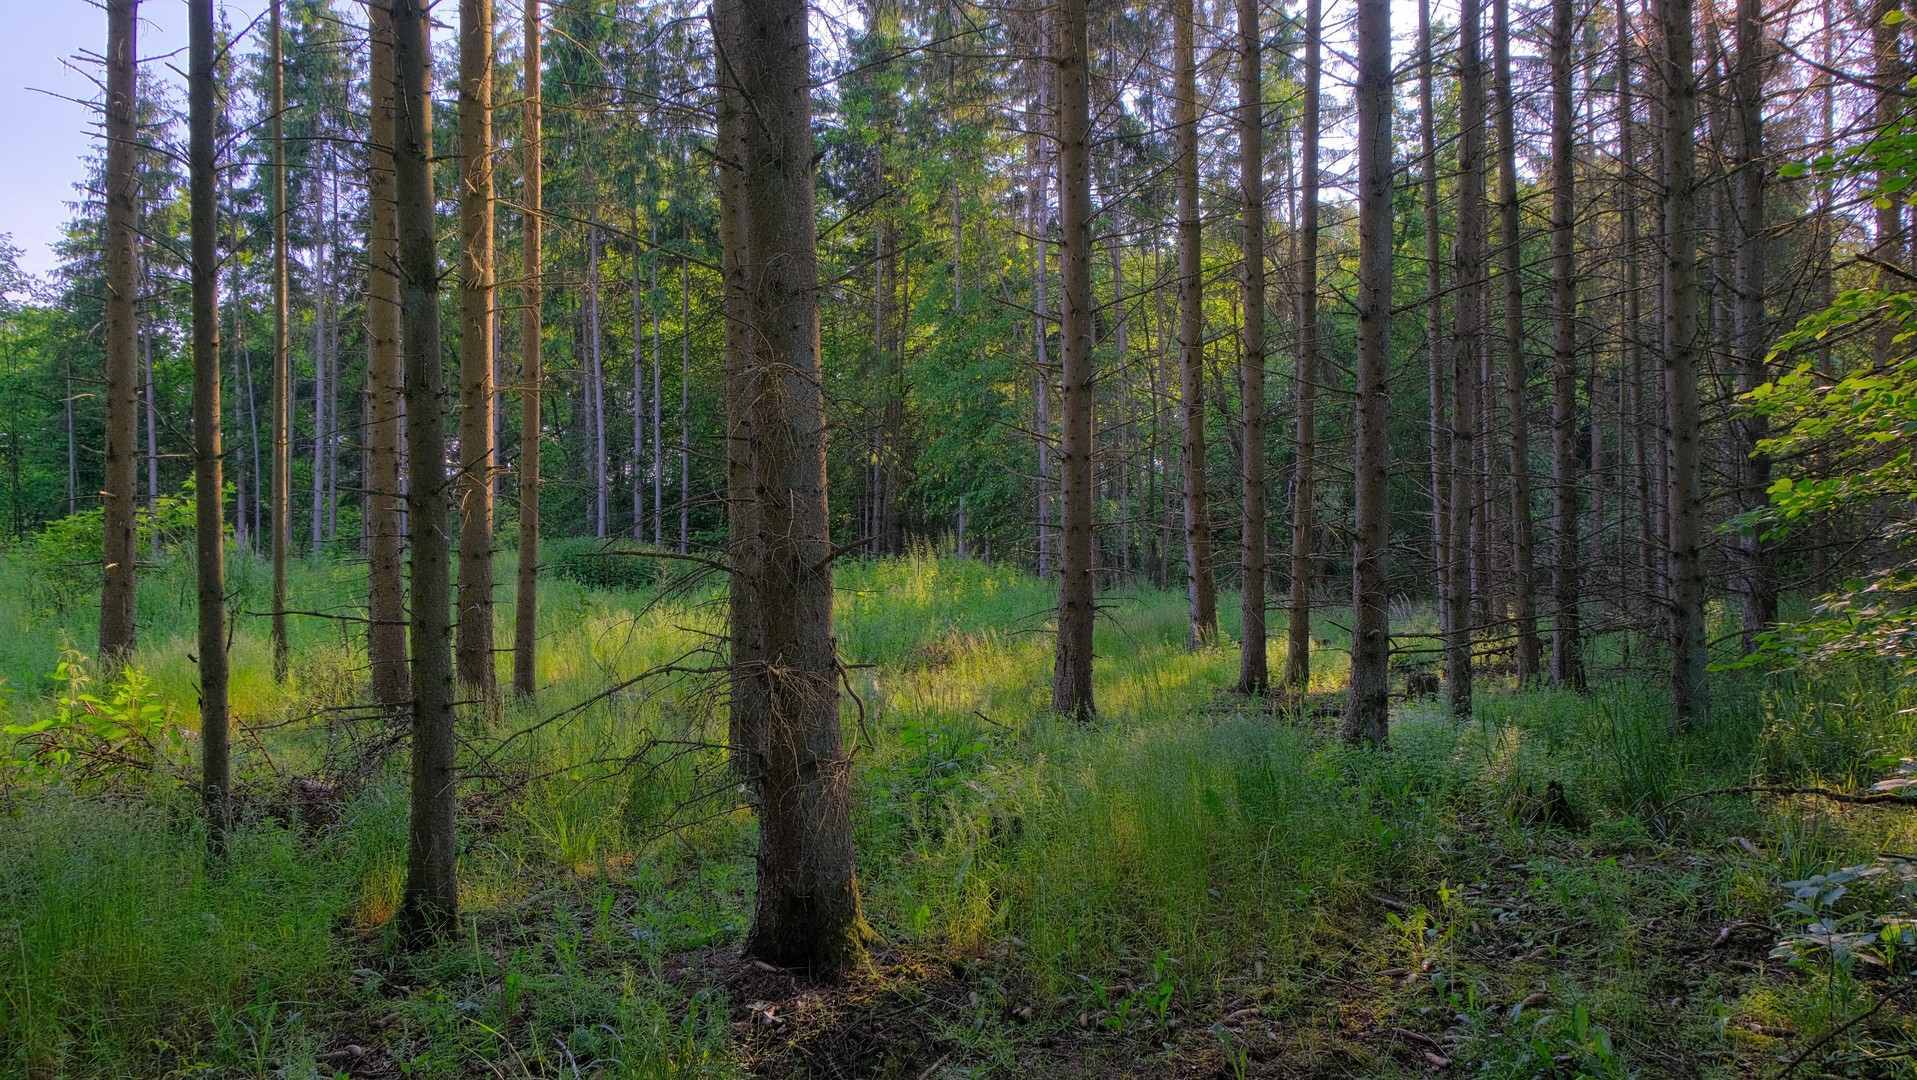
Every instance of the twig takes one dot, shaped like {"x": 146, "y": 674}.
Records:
{"x": 1802, "y": 1055}
{"x": 1762, "y": 789}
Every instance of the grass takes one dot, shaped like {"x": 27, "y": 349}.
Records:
{"x": 1189, "y": 883}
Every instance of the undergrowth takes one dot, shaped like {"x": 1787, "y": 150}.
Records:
{"x": 1189, "y": 878}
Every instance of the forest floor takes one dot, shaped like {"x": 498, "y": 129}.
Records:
{"x": 1193, "y": 885}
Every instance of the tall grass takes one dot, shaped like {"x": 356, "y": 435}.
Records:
{"x": 1183, "y": 831}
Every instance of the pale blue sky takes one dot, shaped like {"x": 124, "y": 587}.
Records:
{"x": 41, "y": 49}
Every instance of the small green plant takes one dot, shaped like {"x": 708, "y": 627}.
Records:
{"x": 91, "y": 739}
{"x": 1830, "y": 943}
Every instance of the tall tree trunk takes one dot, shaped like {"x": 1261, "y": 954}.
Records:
{"x": 685, "y": 406}
{"x": 746, "y": 705}
{"x": 209, "y": 499}
{"x": 1041, "y": 213}
{"x": 658, "y": 445}
{"x": 531, "y": 377}
{"x": 1567, "y": 661}
{"x": 1467, "y": 315}
{"x": 1689, "y": 654}
{"x": 430, "y": 904}
{"x": 1645, "y": 585}
{"x": 120, "y": 506}
{"x": 1887, "y": 68}
{"x": 386, "y": 581}
{"x": 1253, "y": 677}
{"x": 1304, "y": 495}
{"x": 149, "y": 394}
{"x": 1367, "y": 711}
{"x": 322, "y": 286}
{"x": 1199, "y": 588}
{"x": 808, "y": 896}
{"x": 1072, "y": 665}
{"x": 639, "y": 390}
{"x": 596, "y": 382}
{"x": 476, "y": 436}
{"x": 282, "y": 355}
{"x": 1758, "y": 587}
{"x": 1517, "y": 376}
{"x": 1434, "y": 315}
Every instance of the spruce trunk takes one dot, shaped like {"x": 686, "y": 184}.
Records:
{"x": 1367, "y": 712}
{"x": 476, "y": 436}
{"x": 429, "y": 905}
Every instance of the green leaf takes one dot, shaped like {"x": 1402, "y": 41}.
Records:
{"x": 1793, "y": 169}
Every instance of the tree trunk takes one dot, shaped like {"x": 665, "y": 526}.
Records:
{"x": 120, "y": 505}
{"x": 808, "y": 897}
{"x": 1367, "y": 713}
{"x": 1517, "y": 377}
{"x": 1467, "y": 316}
{"x": 149, "y": 394}
{"x": 386, "y": 580}
{"x": 639, "y": 390}
{"x": 429, "y": 907}
{"x": 1645, "y": 584}
{"x": 209, "y": 498}
{"x": 1253, "y": 677}
{"x": 1887, "y": 73}
{"x": 685, "y": 408}
{"x": 1758, "y": 585}
{"x": 1041, "y": 210}
{"x": 282, "y": 356}
{"x": 1434, "y": 316}
{"x": 596, "y": 381}
{"x": 658, "y": 445}
{"x": 476, "y": 436}
{"x": 746, "y": 706}
{"x": 1304, "y": 521}
{"x": 322, "y": 286}
{"x": 1689, "y": 654}
{"x": 1072, "y": 666}
{"x": 531, "y": 376}
{"x": 1567, "y": 661}
{"x": 1200, "y": 590}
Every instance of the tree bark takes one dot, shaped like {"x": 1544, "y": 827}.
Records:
{"x": 531, "y": 376}
{"x": 476, "y": 669}
{"x": 1887, "y": 67}
{"x": 1757, "y": 587}
{"x": 807, "y": 913}
{"x": 1689, "y": 654}
{"x": 1517, "y": 376}
{"x": 1253, "y": 677}
{"x": 1367, "y": 713}
{"x": 1304, "y": 519}
{"x": 639, "y": 387}
{"x": 1434, "y": 315}
{"x": 1647, "y": 584}
{"x": 120, "y": 505}
{"x": 1467, "y": 319}
{"x": 1567, "y": 659}
{"x": 1200, "y": 590}
{"x": 322, "y": 289}
{"x": 746, "y": 707}
{"x": 209, "y": 490}
{"x": 430, "y": 904}
{"x": 386, "y": 581}
{"x": 282, "y": 355}
{"x": 1072, "y": 666}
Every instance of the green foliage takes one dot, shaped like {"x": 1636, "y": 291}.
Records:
{"x": 89, "y": 740}
{"x": 67, "y": 554}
